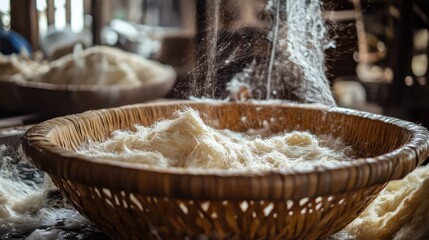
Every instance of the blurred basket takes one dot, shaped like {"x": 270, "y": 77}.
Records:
{"x": 20, "y": 95}
{"x": 136, "y": 202}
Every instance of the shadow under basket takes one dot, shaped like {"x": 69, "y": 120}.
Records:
{"x": 129, "y": 201}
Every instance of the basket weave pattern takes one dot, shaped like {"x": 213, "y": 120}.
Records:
{"x": 135, "y": 202}
{"x": 219, "y": 219}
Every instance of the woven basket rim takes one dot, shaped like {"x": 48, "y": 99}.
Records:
{"x": 168, "y": 75}
{"x": 408, "y": 156}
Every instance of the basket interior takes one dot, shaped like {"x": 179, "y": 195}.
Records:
{"x": 368, "y": 137}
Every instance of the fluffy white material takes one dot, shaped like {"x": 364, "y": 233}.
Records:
{"x": 102, "y": 65}
{"x": 26, "y": 207}
{"x": 20, "y": 65}
{"x": 399, "y": 212}
{"x": 188, "y": 142}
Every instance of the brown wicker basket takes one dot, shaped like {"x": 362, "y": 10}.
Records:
{"x": 135, "y": 202}
{"x": 20, "y": 95}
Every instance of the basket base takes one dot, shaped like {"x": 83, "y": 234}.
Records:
{"x": 130, "y": 216}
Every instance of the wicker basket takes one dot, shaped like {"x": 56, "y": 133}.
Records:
{"x": 135, "y": 202}
{"x": 20, "y": 95}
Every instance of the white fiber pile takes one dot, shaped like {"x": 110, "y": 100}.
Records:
{"x": 401, "y": 211}
{"x": 31, "y": 207}
{"x": 20, "y": 64}
{"x": 188, "y": 142}
{"x": 102, "y": 65}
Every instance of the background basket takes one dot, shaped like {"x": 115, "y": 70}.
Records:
{"x": 135, "y": 202}
{"x": 21, "y": 95}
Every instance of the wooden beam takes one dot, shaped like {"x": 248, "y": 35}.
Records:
{"x": 100, "y": 11}
{"x": 87, "y": 7}
{"x": 187, "y": 12}
{"x": 68, "y": 12}
{"x": 24, "y": 20}
{"x": 207, "y": 14}
{"x": 402, "y": 53}
{"x": 50, "y": 12}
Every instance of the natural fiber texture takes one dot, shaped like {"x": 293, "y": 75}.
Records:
{"x": 140, "y": 202}
{"x": 20, "y": 64}
{"x": 187, "y": 141}
{"x": 400, "y": 203}
{"x": 103, "y": 66}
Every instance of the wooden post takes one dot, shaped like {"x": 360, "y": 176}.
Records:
{"x": 100, "y": 11}
{"x": 24, "y": 20}
{"x": 50, "y": 11}
{"x": 401, "y": 58}
{"x": 68, "y": 12}
{"x": 207, "y": 15}
{"x": 187, "y": 12}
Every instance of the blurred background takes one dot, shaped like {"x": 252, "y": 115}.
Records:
{"x": 379, "y": 65}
